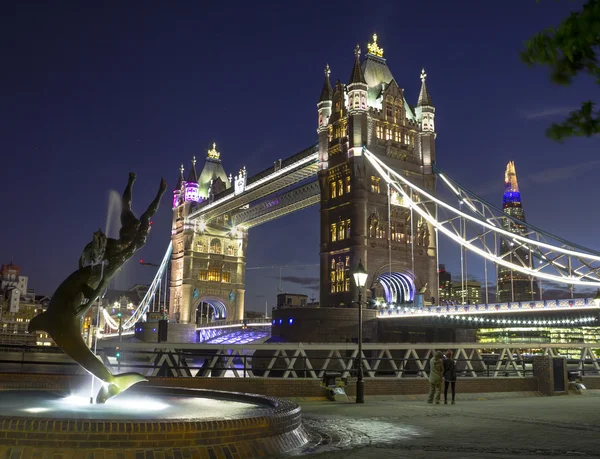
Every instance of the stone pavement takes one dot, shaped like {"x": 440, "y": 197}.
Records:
{"x": 478, "y": 426}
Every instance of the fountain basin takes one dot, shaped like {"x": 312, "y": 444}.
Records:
{"x": 177, "y": 422}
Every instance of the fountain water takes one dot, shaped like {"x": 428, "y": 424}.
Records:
{"x": 112, "y": 229}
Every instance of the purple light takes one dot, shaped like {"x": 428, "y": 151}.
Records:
{"x": 154, "y": 329}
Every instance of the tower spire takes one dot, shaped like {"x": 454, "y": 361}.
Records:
{"x": 180, "y": 180}
{"x": 510, "y": 178}
{"x": 357, "y": 75}
{"x": 193, "y": 177}
{"x": 424, "y": 97}
{"x": 327, "y": 91}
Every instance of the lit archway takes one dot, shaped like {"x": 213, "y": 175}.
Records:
{"x": 209, "y": 310}
{"x": 399, "y": 288}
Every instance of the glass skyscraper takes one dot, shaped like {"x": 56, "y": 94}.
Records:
{"x": 513, "y": 285}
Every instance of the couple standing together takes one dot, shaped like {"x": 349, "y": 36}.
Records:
{"x": 441, "y": 367}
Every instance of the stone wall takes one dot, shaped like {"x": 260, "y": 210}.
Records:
{"x": 323, "y": 325}
{"x": 283, "y": 387}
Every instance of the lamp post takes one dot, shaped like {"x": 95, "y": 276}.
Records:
{"x": 119, "y": 315}
{"x": 360, "y": 279}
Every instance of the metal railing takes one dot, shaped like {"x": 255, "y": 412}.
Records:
{"x": 309, "y": 361}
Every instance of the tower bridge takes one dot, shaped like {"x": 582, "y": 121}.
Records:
{"x": 383, "y": 201}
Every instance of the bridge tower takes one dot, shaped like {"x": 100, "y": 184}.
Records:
{"x": 360, "y": 218}
{"x": 208, "y": 260}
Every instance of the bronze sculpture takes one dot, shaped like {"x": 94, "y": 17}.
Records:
{"x": 100, "y": 261}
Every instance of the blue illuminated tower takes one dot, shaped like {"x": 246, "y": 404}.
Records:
{"x": 513, "y": 285}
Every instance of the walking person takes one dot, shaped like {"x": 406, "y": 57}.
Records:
{"x": 449, "y": 376}
{"x": 436, "y": 368}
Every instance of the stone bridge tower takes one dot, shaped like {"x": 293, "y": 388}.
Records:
{"x": 357, "y": 223}
{"x": 209, "y": 258}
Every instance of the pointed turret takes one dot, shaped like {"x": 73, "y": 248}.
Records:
{"x": 191, "y": 184}
{"x": 357, "y": 75}
{"x": 425, "y": 110}
{"x": 180, "y": 179}
{"x": 424, "y": 97}
{"x": 357, "y": 88}
{"x": 177, "y": 190}
{"x": 193, "y": 177}
{"x": 327, "y": 91}
{"x": 324, "y": 109}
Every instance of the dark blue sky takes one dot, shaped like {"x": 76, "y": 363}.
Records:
{"x": 92, "y": 91}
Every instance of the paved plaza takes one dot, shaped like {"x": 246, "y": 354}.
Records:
{"x": 495, "y": 426}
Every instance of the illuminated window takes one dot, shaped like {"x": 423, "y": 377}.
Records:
{"x": 333, "y": 263}
{"x": 225, "y": 276}
{"x": 230, "y": 250}
{"x": 203, "y": 275}
{"x": 215, "y": 246}
{"x": 332, "y": 277}
{"x": 333, "y": 189}
{"x": 340, "y": 186}
{"x": 397, "y": 135}
{"x": 347, "y": 184}
{"x": 214, "y": 274}
{"x": 347, "y": 260}
{"x": 388, "y": 134}
{"x": 379, "y": 131}
{"x": 375, "y": 185}
{"x": 333, "y": 232}
{"x": 348, "y": 229}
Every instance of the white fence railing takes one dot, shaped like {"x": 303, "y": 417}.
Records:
{"x": 312, "y": 361}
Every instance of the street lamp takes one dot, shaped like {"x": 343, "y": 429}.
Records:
{"x": 119, "y": 315}
{"x": 360, "y": 279}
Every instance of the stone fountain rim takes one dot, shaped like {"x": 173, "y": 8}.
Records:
{"x": 273, "y": 406}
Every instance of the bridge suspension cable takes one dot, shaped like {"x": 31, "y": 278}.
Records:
{"x": 144, "y": 305}
{"x": 581, "y": 268}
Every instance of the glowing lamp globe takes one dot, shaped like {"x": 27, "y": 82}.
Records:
{"x": 360, "y": 275}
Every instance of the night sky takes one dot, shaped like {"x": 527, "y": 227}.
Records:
{"x": 92, "y": 91}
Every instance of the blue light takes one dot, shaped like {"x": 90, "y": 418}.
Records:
{"x": 273, "y": 321}
{"x": 154, "y": 329}
{"x": 280, "y": 321}
{"x": 290, "y": 321}
{"x": 511, "y": 197}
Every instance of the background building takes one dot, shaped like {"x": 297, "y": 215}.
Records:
{"x": 513, "y": 285}
{"x": 291, "y": 300}
{"x": 445, "y": 283}
{"x": 18, "y": 305}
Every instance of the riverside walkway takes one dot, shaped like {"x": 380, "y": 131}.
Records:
{"x": 478, "y": 426}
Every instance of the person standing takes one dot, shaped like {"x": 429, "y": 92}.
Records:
{"x": 449, "y": 376}
{"x": 436, "y": 368}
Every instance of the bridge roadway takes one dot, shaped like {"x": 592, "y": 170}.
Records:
{"x": 293, "y": 170}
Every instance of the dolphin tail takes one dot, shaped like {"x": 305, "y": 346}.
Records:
{"x": 118, "y": 384}
{"x": 41, "y": 322}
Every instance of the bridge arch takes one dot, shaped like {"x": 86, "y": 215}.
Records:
{"x": 395, "y": 285}
{"x": 209, "y": 309}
